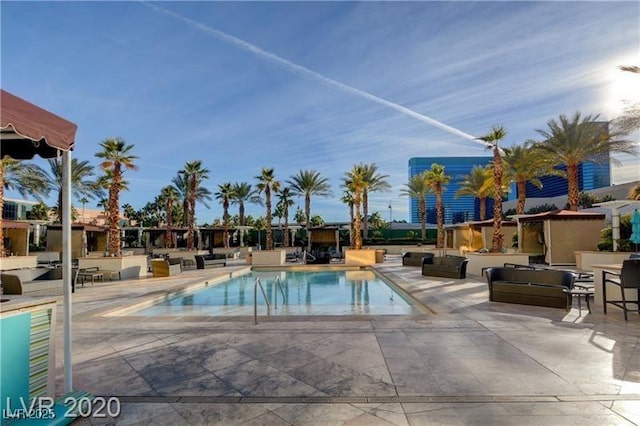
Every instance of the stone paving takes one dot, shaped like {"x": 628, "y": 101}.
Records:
{"x": 466, "y": 361}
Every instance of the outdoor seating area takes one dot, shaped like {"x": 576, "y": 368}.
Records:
{"x": 530, "y": 286}
{"x": 210, "y": 260}
{"x": 165, "y": 267}
{"x": 627, "y": 279}
{"x": 415, "y": 258}
{"x": 445, "y": 266}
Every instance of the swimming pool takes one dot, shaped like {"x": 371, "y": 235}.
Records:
{"x": 335, "y": 292}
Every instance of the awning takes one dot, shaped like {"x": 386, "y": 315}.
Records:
{"x": 12, "y": 224}
{"x": 27, "y": 130}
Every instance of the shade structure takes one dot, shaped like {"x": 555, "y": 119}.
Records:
{"x": 26, "y": 130}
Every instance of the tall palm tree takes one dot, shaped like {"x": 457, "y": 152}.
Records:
{"x": 224, "y": 194}
{"x": 374, "y": 182}
{"x": 436, "y": 179}
{"x": 181, "y": 185}
{"x": 418, "y": 187}
{"x": 493, "y": 139}
{"x": 84, "y": 201}
{"x": 116, "y": 159}
{"x": 523, "y": 163}
{"x": 26, "y": 178}
{"x": 630, "y": 120}
{"x": 82, "y": 184}
{"x": 267, "y": 183}
{"x": 307, "y": 183}
{"x": 347, "y": 198}
{"x": 243, "y": 193}
{"x": 573, "y": 140}
{"x": 193, "y": 176}
{"x": 285, "y": 200}
{"x": 477, "y": 184}
{"x": 355, "y": 181}
{"x": 168, "y": 197}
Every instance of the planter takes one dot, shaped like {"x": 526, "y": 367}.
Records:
{"x": 268, "y": 257}
{"x": 18, "y": 262}
{"x": 480, "y": 261}
{"x": 128, "y": 266}
{"x": 586, "y": 259}
{"x": 363, "y": 257}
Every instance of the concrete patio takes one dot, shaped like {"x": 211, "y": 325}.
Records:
{"x": 467, "y": 361}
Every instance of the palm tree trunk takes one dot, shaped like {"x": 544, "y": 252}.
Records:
{"x": 192, "y": 215}
{"x": 286, "y": 226}
{"x": 241, "y": 213}
{"x": 357, "y": 238}
{"x": 2, "y": 250}
{"x": 439, "y": 217}
{"x": 225, "y": 219}
{"x": 574, "y": 190}
{"x": 498, "y": 238}
{"x": 365, "y": 213}
{"x": 114, "y": 210}
{"x": 522, "y": 196}
{"x": 483, "y": 208}
{"x": 423, "y": 218}
{"x": 307, "y": 213}
{"x": 167, "y": 233}
{"x": 352, "y": 226}
{"x": 186, "y": 211}
{"x": 267, "y": 194}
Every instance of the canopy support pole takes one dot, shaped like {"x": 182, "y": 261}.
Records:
{"x": 66, "y": 266}
{"x": 615, "y": 227}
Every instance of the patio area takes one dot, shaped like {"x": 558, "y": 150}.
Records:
{"x": 467, "y": 361}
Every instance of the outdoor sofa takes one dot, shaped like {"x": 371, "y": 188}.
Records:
{"x": 165, "y": 267}
{"x": 210, "y": 260}
{"x": 539, "y": 287}
{"x": 414, "y": 258}
{"x": 447, "y": 267}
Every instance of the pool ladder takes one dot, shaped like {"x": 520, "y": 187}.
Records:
{"x": 258, "y": 283}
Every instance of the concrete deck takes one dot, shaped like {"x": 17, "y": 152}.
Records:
{"x": 468, "y": 361}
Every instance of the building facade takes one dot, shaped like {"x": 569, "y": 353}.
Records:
{"x": 590, "y": 176}
{"x": 456, "y": 210}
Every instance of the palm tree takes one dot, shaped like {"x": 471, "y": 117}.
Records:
{"x": 436, "y": 179}
{"x": 224, "y": 194}
{"x": 193, "y": 176}
{"x": 267, "y": 182}
{"x": 493, "y": 139}
{"x": 116, "y": 159}
{"x": 307, "y": 183}
{"x": 243, "y": 192}
{"x": 418, "y": 187}
{"x": 81, "y": 183}
{"x": 523, "y": 163}
{"x": 84, "y": 201}
{"x": 374, "y": 182}
{"x": 630, "y": 120}
{"x": 355, "y": 181}
{"x": 168, "y": 197}
{"x": 284, "y": 202}
{"x": 26, "y": 178}
{"x": 182, "y": 186}
{"x": 574, "y": 140}
{"x": 477, "y": 184}
{"x": 347, "y": 198}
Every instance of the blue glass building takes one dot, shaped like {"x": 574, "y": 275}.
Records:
{"x": 461, "y": 209}
{"x": 590, "y": 176}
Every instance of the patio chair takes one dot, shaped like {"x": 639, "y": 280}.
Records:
{"x": 11, "y": 284}
{"x": 628, "y": 278}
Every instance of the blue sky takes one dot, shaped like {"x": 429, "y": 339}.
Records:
{"x": 308, "y": 88}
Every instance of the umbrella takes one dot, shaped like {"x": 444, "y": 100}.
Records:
{"x": 635, "y": 228}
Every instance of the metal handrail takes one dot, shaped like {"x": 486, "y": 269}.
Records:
{"x": 255, "y": 300}
{"x": 278, "y": 286}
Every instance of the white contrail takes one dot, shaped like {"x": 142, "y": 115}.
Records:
{"x": 306, "y": 71}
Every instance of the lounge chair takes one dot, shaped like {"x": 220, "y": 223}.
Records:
{"x": 164, "y": 267}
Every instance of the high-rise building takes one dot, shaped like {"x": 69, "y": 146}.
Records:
{"x": 590, "y": 176}
{"x": 460, "y": 209}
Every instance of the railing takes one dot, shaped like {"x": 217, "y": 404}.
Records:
{"x": 278, "y": 286}
{"x": 255, "y": 300}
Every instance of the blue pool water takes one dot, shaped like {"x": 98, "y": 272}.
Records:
{"x": 355, "y": 292}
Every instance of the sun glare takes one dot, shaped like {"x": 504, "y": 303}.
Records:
{"x": 622, "y": 89}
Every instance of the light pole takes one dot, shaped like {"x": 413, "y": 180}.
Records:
{"x": 390, "y": 217}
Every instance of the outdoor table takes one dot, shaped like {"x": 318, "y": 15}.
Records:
{"x": 583, "y": 292}
{"x": 597, "y": 282}
{"x": 92, "y": 273}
